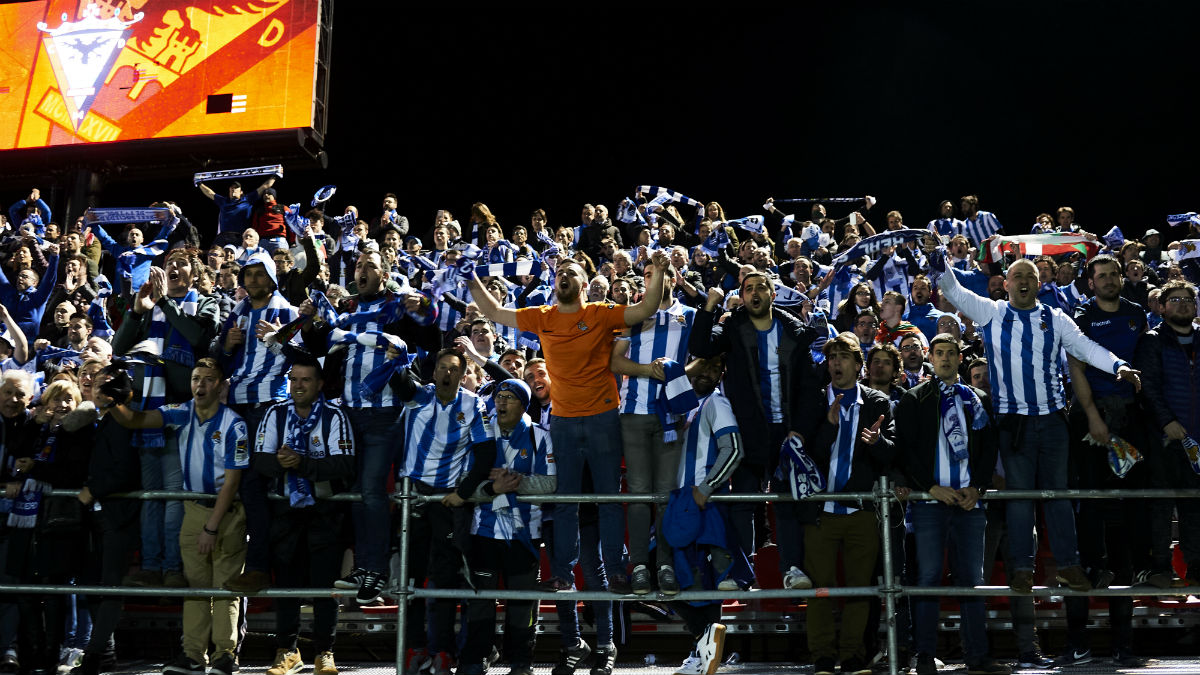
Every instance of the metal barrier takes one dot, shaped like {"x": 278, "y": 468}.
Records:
{"x": 889, "y": 591}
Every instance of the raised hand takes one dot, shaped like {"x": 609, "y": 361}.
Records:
{"x": 870, "y": 435}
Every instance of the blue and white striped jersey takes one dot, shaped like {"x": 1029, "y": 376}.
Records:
{"x": 894, "y": 276}
{"x": 709, "y": 421}
{"x": 1023, "y": 350}
{"x": 664, "y": 334}
{"x": 259, "y": 374}
{"x": 439, "y": 436}
{"x": 769, "y": 384}
{"x": 982, "y": 226}
{"x": 207, "y": 449}
{"x": 948, "y": 227}
{"x": 526, "y": 450}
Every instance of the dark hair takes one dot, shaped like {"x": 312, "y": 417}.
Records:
{"x": 1102, "y": 259}
{"x": 511, "y": 350}
{"x": 450, "y": 351}
{"x": 844, "y": 342}
{"x": 1176, "y": 285}
{"x": 235, "y": 184}
{"x": 975, "y": 363}
{"x": 538, "y": 213}
{"x": 889, "y": 349}
{"x": 211, "y": 364}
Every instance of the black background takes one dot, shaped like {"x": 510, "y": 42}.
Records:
{"x": 1031, "y": 107}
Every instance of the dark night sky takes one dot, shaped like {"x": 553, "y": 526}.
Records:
{"x": 1086, "y": 104}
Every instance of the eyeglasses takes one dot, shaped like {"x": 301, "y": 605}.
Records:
{"x": 1181, "y": 298}
{"x": 505, "y": 397}
{"x": 910, "y": 348}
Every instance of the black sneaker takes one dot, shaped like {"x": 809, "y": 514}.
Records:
{"x": 824, "y": 666}
{"x": 619, "y": 584}
{"x": 855, "y": 666}
{"x": 604, "y": 660}
{"x": 640, "y": 580}
{"x": 926, "y": 665}
{"x": 184, "y": 665}
{"x": 1157, "y": 579}
{"x": 667, "y": 583}
{"x": 370, "y": 588}
{"x": 1074, "y": 657}
{"x": 225, "y": 664}
{"x": 569, "y": 659}
{"x": 351, "y": 581}
{"x": 1034, "y": 660}
{"x": 1123, "y": 658}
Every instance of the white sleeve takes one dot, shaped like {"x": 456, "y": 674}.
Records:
{"x": 1081, "y": 346}
{"x": 267, "y": 441}
{"x": 977, "y": 308}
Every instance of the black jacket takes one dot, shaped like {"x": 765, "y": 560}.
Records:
{"x": 800, "y": 388}
{"x": 918, "y": 427}
{"x": 870, "y": 461}
{"x": 1170, "y": 380}
{"x": 115, "y": 467}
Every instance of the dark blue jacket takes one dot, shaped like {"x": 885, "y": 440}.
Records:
{"x": 1170, "y": 380}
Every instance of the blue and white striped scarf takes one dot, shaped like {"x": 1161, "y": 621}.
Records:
{"x": 171, "y": 346}
{"x": 662, "y": 196}
{"x": 753, "y": 224}
{"x": 299, "y": 490}
{"x": 675, "y": 397}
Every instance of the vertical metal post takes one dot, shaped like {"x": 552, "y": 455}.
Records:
{"x": 883, "y": 502}
{"x": 402, "y": 594}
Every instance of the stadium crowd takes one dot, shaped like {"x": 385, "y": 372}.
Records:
{"x": 265, "y": 356}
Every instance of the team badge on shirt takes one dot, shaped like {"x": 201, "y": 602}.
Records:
{"x": 216, "y": 436}
{"x": 681, "y": 320}
{"x": 1132, "y": 325}
{"x": 581, "y": 326}
{"x": 316, "y": 440}
{"x": 1043, "y": 326}
{"x": 462, "y": 418}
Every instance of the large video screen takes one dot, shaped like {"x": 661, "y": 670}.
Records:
{"x": 96, "y": 71}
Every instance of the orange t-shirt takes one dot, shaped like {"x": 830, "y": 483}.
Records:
{"x": 578, "y": 348}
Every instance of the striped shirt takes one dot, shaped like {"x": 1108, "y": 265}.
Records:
{"x": 947, "y": 227}
{"x": 982, "y": 226}
{"x": 439, "y": 436}
{"x": 1023, "y": 350}
{"x": 894, "y": 276}
{"x": 712, "y": 419}
{"x": 332, "y": 437}
{"x": 361, "y": 359}
{"x": 207, "y": 449}
{"x": 259, "y": 374}
{"x": 526, "y": 450}
{"x": 769, "y": 384}
{"x": 664, "y": 334}
{"x": 841, "y": 460}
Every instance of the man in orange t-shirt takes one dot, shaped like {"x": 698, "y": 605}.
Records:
{"x": 577, "y": 339}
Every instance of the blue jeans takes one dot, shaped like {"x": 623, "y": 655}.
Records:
{"x": 940, "y": 530}
{"x": 1034, "y": 451}
{"x": 592, "y": 566}
{"x": 593, "y": 441}
{"x": 375, "y": 448}
{"x": 161, "y": 519}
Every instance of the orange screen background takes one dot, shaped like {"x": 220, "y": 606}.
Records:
{"x": 159, "y": 82}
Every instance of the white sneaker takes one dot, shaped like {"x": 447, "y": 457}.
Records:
{"x": 72, "y": 658}
{"x": 692, "y": 665}
{"x": 710, "y": 648}
{"x": 728, "y": 584}
{"x": 796, "y": 580}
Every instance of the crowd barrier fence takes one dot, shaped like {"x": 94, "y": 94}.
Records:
{"x": 890, "y": 590}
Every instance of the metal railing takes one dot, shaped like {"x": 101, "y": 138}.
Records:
{"x": 890, "y": 590}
